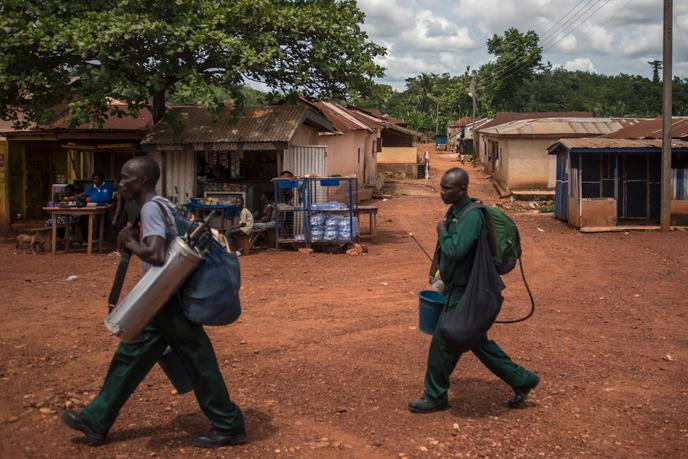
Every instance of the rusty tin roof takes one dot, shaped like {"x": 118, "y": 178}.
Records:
{"x": 600, "y": 144}
{"x": 559, "y": 127}
{"x": 652, "y": 129}
{"x": 341, "y": 118}
{"x": 197, "y": 125}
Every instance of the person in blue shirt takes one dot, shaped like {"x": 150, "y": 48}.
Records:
{"x": 101, "y": 191}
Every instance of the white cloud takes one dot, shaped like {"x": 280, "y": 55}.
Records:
{"x": 385, "y": 18}
{"x": 647, "y": 41}
{"x": 567, "y": 44}
{"x": 580, "y": 63}
{"x": 447, "y": 35}
{"x": 600, "y": 39}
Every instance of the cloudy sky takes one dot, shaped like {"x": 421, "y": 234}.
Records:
{"x": 605, "y": 36}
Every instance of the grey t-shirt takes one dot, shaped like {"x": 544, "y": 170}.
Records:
{"x": 153, "y": 222}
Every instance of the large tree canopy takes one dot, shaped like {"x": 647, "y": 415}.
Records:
{"x": 144, "y": 51}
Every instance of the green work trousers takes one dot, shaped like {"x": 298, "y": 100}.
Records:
{"x": 441, "y": 363}
{"x": 132, "y": 362}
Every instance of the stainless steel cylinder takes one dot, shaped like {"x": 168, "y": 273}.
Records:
{"x": 152, "y": 291}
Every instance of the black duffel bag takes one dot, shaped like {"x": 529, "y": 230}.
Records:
{"x": 464, "y": 325}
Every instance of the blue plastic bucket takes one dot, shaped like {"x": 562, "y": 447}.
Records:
{"x": 429, "y": 309}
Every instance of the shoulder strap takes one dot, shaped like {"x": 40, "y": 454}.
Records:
{"x": 165, "y": 215}
{"x": 434, "y": 266}
{"x": 475, "y": 204}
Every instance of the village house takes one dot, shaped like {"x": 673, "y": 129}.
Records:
{"x": 397, "y": 153}
{"x": 454, "y": 129}
{"x": 517, "y": 151}
{"x": 615, "y": 180}
{"x": 230, "y": 154}
{"x": 352, "y": 148}
{"x": 480, "y": 142}
{"x": 33, "y": 160}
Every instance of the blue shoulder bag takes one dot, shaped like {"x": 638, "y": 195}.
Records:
{"x": 210, "y": 296}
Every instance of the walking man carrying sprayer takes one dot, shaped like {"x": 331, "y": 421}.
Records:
{"x": 457, "y": 240}
{"x": 132, "y": 361}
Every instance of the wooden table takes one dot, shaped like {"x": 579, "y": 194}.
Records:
{"x": 371, "y": 211}
{"x": 91, "y": 213}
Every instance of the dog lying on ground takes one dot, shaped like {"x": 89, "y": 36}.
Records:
{"x": 34, "y": 241}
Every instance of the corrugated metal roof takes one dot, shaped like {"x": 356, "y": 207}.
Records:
{"x": 606, "y": 143}
{"x": 368, "y": 120}
{"x": 383, "y": 116}
{"x": 143, "y": 122}
{"x": 557, "y": 127}
{"x": 506, "y": 117}
{"x": 341, "y": 118}
{"x": 652, "y": 129}
{"x": 197, "y": 125}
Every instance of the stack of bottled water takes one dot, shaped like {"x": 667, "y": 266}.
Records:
{"x": 331, "y": 205}
{"x": 333, "y": 227}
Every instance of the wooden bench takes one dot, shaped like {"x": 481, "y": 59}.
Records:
{"x": 371, "y": 211}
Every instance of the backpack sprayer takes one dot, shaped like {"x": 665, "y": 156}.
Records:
{"x": 439, "y": 285}
{"x": 158, "y": 284}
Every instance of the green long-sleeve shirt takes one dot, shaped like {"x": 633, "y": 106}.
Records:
{"x": 457, "y": 248}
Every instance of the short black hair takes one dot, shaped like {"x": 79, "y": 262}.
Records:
{"x": 458, "y": 174}
{"x": 149, "y": 168}
{"x": 286, "y": 172}
{"x": 100, "y": 175}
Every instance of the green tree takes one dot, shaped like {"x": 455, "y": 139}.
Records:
{"x": 656, "y": 67}
{"x": 144, "y": 51}
{"x": 518, "y": 58}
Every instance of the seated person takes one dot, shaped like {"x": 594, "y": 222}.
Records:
{"x": 245, "y": 223}
{"x": 101, "y": 191}
{"x": 268, "y": 215}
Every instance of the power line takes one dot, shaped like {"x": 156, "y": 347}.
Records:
{"x": 575, "y": 24}
{"x": 522, "y": 59}
{"x": 590, "y": 13}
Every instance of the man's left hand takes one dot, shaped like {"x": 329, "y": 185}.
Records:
{"x": 441, "y": 225}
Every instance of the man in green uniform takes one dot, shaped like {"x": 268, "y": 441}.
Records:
{"x": 132, "y": 361}
{"x": 457, "y": 245}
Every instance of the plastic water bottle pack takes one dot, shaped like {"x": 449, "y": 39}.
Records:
{"x": 333, "y": 228}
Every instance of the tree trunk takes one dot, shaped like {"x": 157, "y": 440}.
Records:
{"x": 158, "y": 106}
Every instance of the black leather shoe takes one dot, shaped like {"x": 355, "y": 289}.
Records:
{"x": 216, "y": 438}
{"x": 76, "y": 421}
{"x": 521, "y": 395}
{"x": 427, "y": 406}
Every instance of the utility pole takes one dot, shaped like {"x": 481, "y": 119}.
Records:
{"x": 475, "y": 138}
{"x": 665, "y": 212}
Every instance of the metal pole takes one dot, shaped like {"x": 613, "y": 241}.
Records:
{"x": 665, "y": 213}
{"x": 474, "y": 137}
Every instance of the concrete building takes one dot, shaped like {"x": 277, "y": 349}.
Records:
{"x": 516, "y": 152}
{"x": 352, "y": 149}
{"x": 603, "y": 183}
{"x": 480, "y": 144}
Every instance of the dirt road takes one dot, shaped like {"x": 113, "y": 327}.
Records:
{"x": 326, "y": 354}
